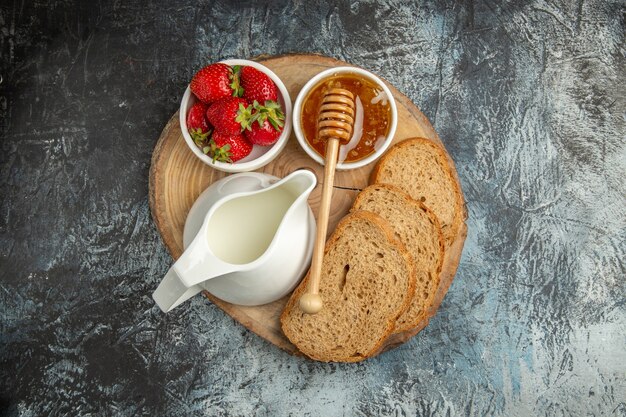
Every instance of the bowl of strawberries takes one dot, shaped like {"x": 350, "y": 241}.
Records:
{"x": 236, "y": 115}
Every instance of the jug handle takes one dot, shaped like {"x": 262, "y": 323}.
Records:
{"x": 171, "y": 292}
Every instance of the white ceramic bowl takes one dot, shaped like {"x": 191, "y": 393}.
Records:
{"x": 297, "y": 110}
{"x": 260, "y": 155}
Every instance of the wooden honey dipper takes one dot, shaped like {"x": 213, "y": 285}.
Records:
{"x": 334, "y": 125}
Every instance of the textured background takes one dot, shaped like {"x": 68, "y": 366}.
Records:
{"x": 528, "y": 97}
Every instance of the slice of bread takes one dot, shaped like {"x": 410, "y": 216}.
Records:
{"x": 367, "y": 281}
{"x": 418, "y": 229}
{"x": 420, "y": 167}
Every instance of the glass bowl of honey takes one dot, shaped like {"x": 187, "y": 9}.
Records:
{"x": 375, "y": 121}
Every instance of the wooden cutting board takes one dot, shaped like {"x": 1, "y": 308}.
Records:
{"x": 177, "y": 177}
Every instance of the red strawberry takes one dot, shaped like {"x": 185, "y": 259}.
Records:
{"x": 227, "y": 114}
{"x": 212, "y": 83}
{"x": 269, "y": 124}
{"x": 197, "y": 124}
{"x": 264, "y": 134}
{"x": 257, "y": 86}
{"x": 230, "y": 148}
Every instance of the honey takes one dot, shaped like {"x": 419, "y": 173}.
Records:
{"x": 372, "y": 119}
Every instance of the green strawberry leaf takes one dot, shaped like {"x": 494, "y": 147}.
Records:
{"x": 274, "y": 124}
{"x": 200, "y": 138}
{"x": 245, "y": 117}
{"x": 271, "y": 112}
{"x": 221, "y": 154}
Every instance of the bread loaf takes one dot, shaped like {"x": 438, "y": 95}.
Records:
{"x": 367, "y": 282}
{"x": 420, "y": 167}
{"x": 418, "y": 229}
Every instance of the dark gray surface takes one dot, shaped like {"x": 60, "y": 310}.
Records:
{"x": 529, "y": 100}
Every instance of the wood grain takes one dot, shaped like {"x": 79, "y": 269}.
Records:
{"x": 177, "y": 177}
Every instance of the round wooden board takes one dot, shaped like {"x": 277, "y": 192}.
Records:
{"x": 177, "y": 177}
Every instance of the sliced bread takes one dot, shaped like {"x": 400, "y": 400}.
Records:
{"x": 418, "y": 229}
{"x": 367, "y": 281}
{"x": 420, "y": 167}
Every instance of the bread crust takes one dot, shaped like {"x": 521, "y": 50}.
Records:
{"x": 292, "y": 304}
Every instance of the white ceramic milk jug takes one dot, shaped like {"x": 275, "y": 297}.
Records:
{"x": 253, "y": 246}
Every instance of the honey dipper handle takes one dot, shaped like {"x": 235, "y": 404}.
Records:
{"x": 311, "y": 302}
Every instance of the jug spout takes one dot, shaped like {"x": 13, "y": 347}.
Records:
{"x": 172, "y": 291}
{"x": 192, "y": 268}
